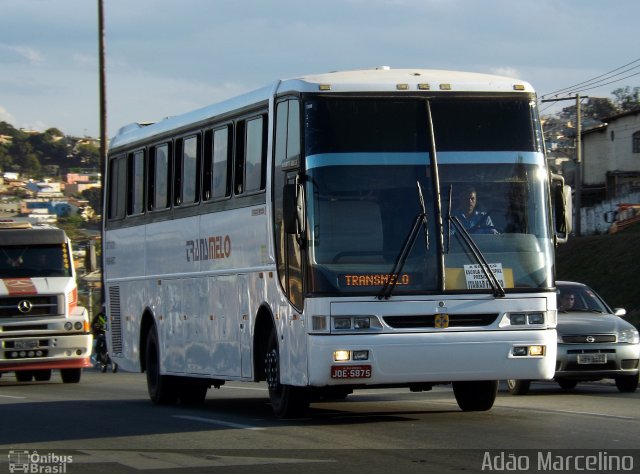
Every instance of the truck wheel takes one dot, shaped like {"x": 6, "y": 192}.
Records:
{"x": 162, "y": 388}
{"x": 24, "y": 376}
{"x": 475, "y": 395}
{"x": 286, "y": 401}
{"x": 70, "y": 375}
{"x": 627, "y": 383}
{"x": 42, "y": 375}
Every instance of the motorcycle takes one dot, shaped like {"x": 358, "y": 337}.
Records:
{"x": 102, "y": 355}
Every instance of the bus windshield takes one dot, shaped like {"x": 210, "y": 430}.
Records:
{"x": 364, "y": 159}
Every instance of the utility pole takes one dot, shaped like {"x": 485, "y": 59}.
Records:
{"x": 578, "y": 165}
{"x": 103, "y": 118}
{"x": 103, "y": 95}
{"x": 578, "y": 158}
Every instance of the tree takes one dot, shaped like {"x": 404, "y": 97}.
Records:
{"x": 89, "y": 155}
{"x": 94, "y": 196}
{"x": 592, "y": 112}
{"x": 627, "y": 99}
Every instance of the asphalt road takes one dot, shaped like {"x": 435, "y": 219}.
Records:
{"x": 106, "y": 423}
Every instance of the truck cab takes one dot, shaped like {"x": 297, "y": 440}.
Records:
{"x": 41, "y": 325}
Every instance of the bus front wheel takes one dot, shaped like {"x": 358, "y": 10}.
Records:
{"x": 475, "y": 395}
{"x": 162, "y": 388}
{"x": 286, "y": 401}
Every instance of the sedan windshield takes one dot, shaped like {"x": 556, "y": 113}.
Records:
{"x": 575, "y": 298}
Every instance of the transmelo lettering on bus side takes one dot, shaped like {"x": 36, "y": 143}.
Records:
{"x": 209, "y": 248}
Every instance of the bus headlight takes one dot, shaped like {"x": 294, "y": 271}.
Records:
{"x": 341, "y": 323}
{"x": 355, "y": 324}
{"x": 535, "y": 318}
{"x": 528, "y": 351}
{"x": 341, "y": 356}
{"x": 524, "y": 319}
{"x": 344, "y": 355}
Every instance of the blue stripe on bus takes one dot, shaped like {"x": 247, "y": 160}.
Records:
{"x": 444, "y": 157}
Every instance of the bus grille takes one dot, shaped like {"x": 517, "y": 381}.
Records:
{"x": 428, "y": 320}
{"x": 29, "y": 306}
{"x": 115, "y": 323}
{"x": 582, "y": 339}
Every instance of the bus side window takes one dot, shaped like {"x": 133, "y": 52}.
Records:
{"x": 216, "y": 173}
{"x": 190, "y": 169}
{"x": 238, "y": 172}
{"x": 255, "y": 153}
{"x": 159, "y": 177}
{"x": 117, "y": 187}
{"x": 135, "y": 180}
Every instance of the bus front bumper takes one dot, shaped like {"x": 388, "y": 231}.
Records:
{"x": 436, "y": 357}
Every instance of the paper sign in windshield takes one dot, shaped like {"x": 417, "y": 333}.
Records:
{"x": 476, "y": 279}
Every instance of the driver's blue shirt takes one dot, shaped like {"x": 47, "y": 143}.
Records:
{"x": 478, "y": 222}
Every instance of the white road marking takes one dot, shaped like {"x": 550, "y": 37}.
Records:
{"x": 156, "y": 460}
{"x": 212, "y": 421}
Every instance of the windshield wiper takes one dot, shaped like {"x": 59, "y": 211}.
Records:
{"x": 407, "y": 246}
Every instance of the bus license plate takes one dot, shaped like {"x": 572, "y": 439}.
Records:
{"x": 592, "y": 358}
{"x": 350, "y": 372}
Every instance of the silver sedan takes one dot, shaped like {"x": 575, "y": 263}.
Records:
{"x": 594, "y": 342}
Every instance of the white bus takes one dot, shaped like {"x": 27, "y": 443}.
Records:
{"x": 308, "y": 234}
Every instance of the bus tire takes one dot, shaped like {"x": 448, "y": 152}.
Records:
{"x": 518, "y": 387}
{"x": 192, "y": 392}
{"x": 162, "y": 388}
{"x": 477, "y": 395}
{"x": 71, "y": 375}
{"x": 287, "y": 401}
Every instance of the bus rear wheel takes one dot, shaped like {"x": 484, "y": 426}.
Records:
{"x": 162, "y": 388}
{"x": 286, "y": 401}
{"x": 475, "y": 395}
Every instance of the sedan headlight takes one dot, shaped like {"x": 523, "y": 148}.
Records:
{"x": 629, "y": 336}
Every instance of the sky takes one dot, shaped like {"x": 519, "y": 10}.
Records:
{"x": 166, "y": 57}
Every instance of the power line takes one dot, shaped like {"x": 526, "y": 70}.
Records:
{"x": 604, "y": 84}
{"x": 590, "y": 81}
